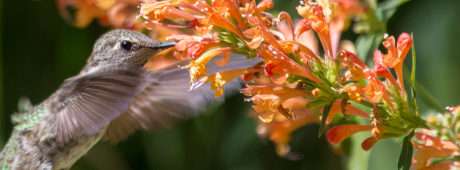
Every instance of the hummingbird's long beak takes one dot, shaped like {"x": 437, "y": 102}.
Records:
{"x": 163, "y": 45}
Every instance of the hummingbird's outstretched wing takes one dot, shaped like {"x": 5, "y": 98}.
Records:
{"x": 87, "y": 103}
{"x": 167, "y": 98}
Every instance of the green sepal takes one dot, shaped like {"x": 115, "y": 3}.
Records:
{"x": 405, "y": 158}
{"x": 455, "y": 158}
{"x": 326, "y": 110}
{"x": 237, "y": 45}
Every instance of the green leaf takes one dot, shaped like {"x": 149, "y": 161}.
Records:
{"x": 414, "y": 62}
{"x": 412, "y": 78}
{"x": 428, "y": 98}
{"x": 425, "y": 96}
{"x": 405, "y": 158}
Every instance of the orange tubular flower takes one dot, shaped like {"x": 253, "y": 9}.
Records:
{"x": 306, "y": 55}
{"x": 314, "y": 18}
{"x": 219, "y": 79}
{"x": 264, "y": 32}
{"x": 119, "y": 14}
{"x": 356, "y": 67}
{"x": 381, "y": 70}
{"x": 267, "y": 107}
{"x": 397, "y": 52}
{"x": 219, "y": 21}
{"x": 285, "y": 25}
{"x": 232, "y": 8}
{"x": 342, "y": 11}
{"x": 198, "y": 66}
{"x": 283, "y": 63}
{"x": 374, "y": 91}
{"x": 272, "y": 100}
{"x": 124, "y": 15}
{"x": 87, "y": 11}
{"x": 369, "y": 142}
{"x": 264, "y": 5}
{"x": 338, "y": 133}
{"x": 428, "y": 148}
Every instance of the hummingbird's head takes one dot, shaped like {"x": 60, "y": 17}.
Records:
{"x": 125, "y": 47}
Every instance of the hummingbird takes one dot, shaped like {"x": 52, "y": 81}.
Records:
{"x": 110, "y": 98}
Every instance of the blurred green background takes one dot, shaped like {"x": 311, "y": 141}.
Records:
{"x": 39, "y": 50}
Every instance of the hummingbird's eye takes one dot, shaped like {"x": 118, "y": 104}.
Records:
{"x": 126, "y": 45}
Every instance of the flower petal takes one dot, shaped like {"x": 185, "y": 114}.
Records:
{"x": 369, "y": 142}
{"x": 219, "y": 21}
{"x": 338, "y": 133}
{"x": 286, "y": 25}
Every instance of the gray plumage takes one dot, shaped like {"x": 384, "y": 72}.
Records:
{"x": 112, "y": 97}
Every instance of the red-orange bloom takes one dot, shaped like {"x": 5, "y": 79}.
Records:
{"x": 374, "y": 90}
{"x": 428, "y": 148}
{"x": 396, "y": 53}
{"x": 232, "y": 7}
{"x": 338, "y": 133}
{"x": 314, "y": 18}
{"x": 282, "y": 62}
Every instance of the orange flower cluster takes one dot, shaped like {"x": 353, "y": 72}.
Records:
{"x": 297, "y": 80}
{"x": 308, "y": 74}
{"x": 294, "y": 83}
{"x": 115, "y": 13}
{"x": 433, "y": 153}
{"x": 392, "y": 115}
{"x": 438, "y": 147}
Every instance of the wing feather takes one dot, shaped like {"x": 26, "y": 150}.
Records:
{"x": 167, "y": 98}
{"x": 87, "y": 103}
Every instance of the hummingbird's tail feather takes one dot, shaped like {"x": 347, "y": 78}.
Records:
{"x": 167, "y": 98}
